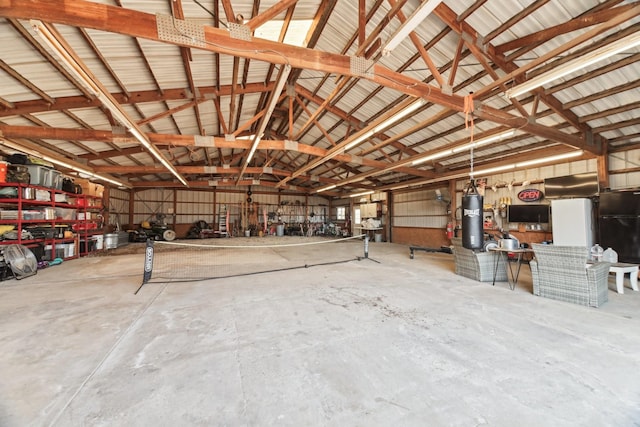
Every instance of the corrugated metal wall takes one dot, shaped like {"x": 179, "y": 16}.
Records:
{"x": 149, "y": 204}
{"x": 624, "y": 161}
{"x": 185, "y": 206}
{"x": 118, "y": 207}
{"x": 419, "y": 209}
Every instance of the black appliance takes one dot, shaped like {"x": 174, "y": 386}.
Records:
{"x": 619, "y": 214}
{"x": 528, "y": 213}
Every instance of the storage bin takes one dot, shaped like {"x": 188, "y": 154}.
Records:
{"x": 49, "y": 213}
{"x": 42, "y": 195}
{"x": 61, "y": 198}
{"x": 87, "y": 246}
{"x": 32, "y": 214}
{"x": 61, "y": 250}
{"x": 53, "y": 179}
{"x": 69, "y": 250}
{"x": 47, "y": 253}
{"x": 44, "y": 176}
{"x": 66, "y": 214}
{"x": 8, "y": 214}
{"x": 38, "y": 174}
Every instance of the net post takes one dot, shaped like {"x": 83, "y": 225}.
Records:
{"x": 366, "y": 245}
{"x": 148, "y": 264}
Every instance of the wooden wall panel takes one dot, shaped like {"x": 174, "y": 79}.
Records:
{"x": 425, "y": 237}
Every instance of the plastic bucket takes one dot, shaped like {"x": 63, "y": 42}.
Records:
{"x": 99, "y": 241}
{"x": 378, "y": 237}
{"x": 280, "y": 230}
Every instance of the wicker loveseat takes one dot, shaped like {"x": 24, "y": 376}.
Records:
{"x": 476, "y": 265}
{"x": 562, "y": 273}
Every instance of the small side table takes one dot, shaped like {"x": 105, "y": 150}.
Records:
{"x": 620, "y": 269}
{"x": 500, "y": 253}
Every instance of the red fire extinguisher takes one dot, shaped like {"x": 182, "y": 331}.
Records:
{"x": 449, "y": 230}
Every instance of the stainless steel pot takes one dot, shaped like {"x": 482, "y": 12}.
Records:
{"x": 509, "y": 244}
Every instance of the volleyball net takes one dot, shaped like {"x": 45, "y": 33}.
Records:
{"x": 219, "y": 258}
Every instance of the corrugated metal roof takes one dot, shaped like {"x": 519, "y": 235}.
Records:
{"x": 195, "y": 92}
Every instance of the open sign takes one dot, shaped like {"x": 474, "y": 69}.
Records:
{"x": 530, "y": 195}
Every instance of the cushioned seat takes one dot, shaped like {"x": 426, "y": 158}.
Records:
{"x": 562, "y": 273}
{"x": 477, "y": 265}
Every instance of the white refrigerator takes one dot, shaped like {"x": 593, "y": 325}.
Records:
{"x": 572, "y": 222}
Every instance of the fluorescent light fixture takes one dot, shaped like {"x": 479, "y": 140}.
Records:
{"x": 385, "y": 124}
{"x": 256, "y": 142}
{"x": 576, "y": 153}
{"x": 583, "y": 61}
{"x": 464, "y": 147}
{"x": 410, "y": 24}
{"x": 398, "y": 116}
{"x": 432, "y": 157}
{"x": 330, "y": 187}
{"x": 484, "y": 141}
{"x": 364, "y": 193}
{"x": 493, "y": 170}
{"x": 245, "y": 137}
{"x": 524, "y": 164}
{"x": 273, "y": 101}
{"x": 63, "y": 164}
{"x": 358, "y": 140}
{"x": 84, "y": 76}
{"x": 399, "y": 187}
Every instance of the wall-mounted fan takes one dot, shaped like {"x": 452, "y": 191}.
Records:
{"x": 20, "y": 260}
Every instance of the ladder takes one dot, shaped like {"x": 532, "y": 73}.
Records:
{"x": 223, "y": 218}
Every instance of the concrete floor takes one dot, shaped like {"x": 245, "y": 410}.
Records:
{"x": 400, "y": 342}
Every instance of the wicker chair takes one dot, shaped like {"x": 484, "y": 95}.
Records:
{"x": 477, "y": 265}
{"x": 562, "y": 273}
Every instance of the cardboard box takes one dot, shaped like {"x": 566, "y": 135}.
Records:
{"x": 90, "y": 188}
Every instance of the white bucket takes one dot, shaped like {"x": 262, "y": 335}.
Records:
{"x": 378, "y": 237}
{"x": 247, "y": 233}
{"x": 99, "y": 241}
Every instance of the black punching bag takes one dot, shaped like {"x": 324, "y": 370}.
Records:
{"x": 472, "y": 233}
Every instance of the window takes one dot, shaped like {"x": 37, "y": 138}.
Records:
{"x": 357, "y": 218}
{"x": 341, "y": 213}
